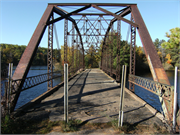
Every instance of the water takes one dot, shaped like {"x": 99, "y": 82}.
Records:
{"x": 34, "y": 92}
{"x": 151, "y": 98}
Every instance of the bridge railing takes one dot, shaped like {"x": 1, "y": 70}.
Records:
{"x": 32, "y": 81}
{"x": 165, "y": 93}
{"x": 162, "y": 90}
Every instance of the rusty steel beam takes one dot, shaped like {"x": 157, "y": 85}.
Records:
{"x": 153, "y": 59}
{"x": 68, "y": 15}
{"x": 132, "y": 54}
{"x": 77, "y": 47}
{"x": 116, "y": 16}
{"x": 86, "y": 4}
{"x": 50, "y": 55}
{"x": 29, "y": 53}
{"x": 122, "y": 10}
{"x": 61, "y": 9}
{"x": 73, "y": 46}
{"x": 111, "y": 52}
{"x": 157, "y": 69}
{"x": 84, "y": 14}
{"x": 123, "y": 13}
{"x": 61, "y": 12}
{"x": 118, "y": 66}
{"x": 65, "y": 40}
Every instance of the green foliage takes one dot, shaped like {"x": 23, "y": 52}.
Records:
{"x": 175, "y": 56}
{"x": 22, "y": 126}
{"x": 110, "y": 48}
{"x": 173, "y": 46}
{"x": 71, "y": 126}
{"x": 158, "y": 43}
{"x": 92, "y": 57}
{"x": 5, "y": 124}
{"x": 12, "y": 126}
{"x": 174, "y": 39}
{"x": 12, "y": 54}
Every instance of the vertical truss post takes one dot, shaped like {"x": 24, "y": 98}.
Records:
{"x": 79, "y": 55}
{"x": 73, "y": 46}
{"x": 50, "y": 55}
{"x": 108, "y": 54}
{"x": 111, "y": 50}
{"x": 83, "y": 59}
{"x": 132, "y": 53}
{"x": 80, "y": 59}
{"x": 77, "y": 52}
{"x": 118, "y": 50}
{"x": 65, "y": 39}
{"x": 102, "y": 57}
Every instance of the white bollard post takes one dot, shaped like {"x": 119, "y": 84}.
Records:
{"x": 123, "y": 82}
{"x": 175, "y": 100}
{"x": 66, "y": 92}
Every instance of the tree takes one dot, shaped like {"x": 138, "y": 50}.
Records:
{"x": 92, "y": 57}
{"x": 172, "y": 46}
{"x": 158, "y": 43}
{"x": 159, "y": 49}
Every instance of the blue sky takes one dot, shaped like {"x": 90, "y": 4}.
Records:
{"x": 19, "y": 18}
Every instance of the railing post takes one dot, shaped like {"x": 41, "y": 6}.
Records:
{"x": 123, "y": 82}
{"x": 66, "y": 92}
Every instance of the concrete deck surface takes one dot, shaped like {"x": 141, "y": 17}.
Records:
{"x": 93, "y": 97}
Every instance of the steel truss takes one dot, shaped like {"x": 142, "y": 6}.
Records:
{"x": 132, "y": 54}
{"x": 92, "y": 31}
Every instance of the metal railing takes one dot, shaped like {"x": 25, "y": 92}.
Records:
{"x": 162, "y": 90}
{"x": 32, "y": 81}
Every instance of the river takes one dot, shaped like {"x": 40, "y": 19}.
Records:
{"x": 34, "y": 92}
{"x": 149, "y": 97}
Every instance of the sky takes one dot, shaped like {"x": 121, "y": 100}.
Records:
{"x": 19, "y": 18}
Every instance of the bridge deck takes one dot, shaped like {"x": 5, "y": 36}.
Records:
{"x": 93, "y": 97}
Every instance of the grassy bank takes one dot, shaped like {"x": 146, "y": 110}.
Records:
{"x": 20, "y": 126}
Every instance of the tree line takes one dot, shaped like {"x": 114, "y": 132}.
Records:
{"x": 11, "y": 53}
